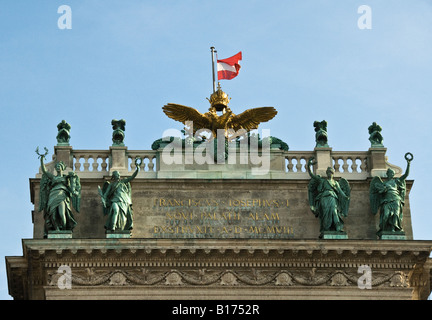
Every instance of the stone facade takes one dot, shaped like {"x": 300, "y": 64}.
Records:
{"x": 218, "y": 231}
{"x": 222, "y": 208}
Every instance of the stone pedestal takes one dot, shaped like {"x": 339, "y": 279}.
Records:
{"x": 323, "y": 159}
{"x": 378, "y": 161}
{"x": 121, "y": 234}
{"x": 64, "y": 153}
{"x": 333, "y": 235}
{"x": 392, "y": 235}
{"x": 60, "y": 234}
{"x": 118, "y": 160}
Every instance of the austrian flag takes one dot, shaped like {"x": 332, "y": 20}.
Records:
{"x": 229, "y": 68}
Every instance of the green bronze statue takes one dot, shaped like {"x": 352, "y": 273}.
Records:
{"x": 388, "y": 197}
{"x": 375, "y": 136}
{"x": 321, "y": 138}
{"x": 117, "y": 201}
{"x": 63, "y": 135}
{"x": 119, "y": 126}
{"x": 328, "y": 199}
{"x": 58, "y": 194}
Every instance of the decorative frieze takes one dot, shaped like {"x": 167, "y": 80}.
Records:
{"x": 230, "y": 277}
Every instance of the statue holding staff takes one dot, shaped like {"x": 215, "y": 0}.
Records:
{"x": 117, "y": 201}
{"x": 58, "y": 194}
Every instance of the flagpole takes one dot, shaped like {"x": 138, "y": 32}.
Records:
{"x": 213, "y": 68}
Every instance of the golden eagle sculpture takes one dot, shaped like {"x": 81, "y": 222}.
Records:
{"x": 227, "y": 121}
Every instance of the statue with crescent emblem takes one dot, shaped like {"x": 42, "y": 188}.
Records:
{"x": 59, "y": 193}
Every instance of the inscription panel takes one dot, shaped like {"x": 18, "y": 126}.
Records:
{"x": 222, "y": 209}
{"x": 221, "y": 218}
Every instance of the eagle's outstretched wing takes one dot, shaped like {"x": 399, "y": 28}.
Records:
{"x": 182, "y": 114}
{"x": 251, "y": 118}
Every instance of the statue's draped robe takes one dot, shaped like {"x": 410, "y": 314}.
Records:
{"x": 327, "y": 204}
{"x": 391, "y": 205}
{"x": 120, "y": 211}
{"x": 59, "y": 195}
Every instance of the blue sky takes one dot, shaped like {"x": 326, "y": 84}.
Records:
{"x": 126, "y": 59}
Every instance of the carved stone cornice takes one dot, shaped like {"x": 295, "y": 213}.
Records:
{"x": 235, "y": 247}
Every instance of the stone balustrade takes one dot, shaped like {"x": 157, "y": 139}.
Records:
{"x": 148, "y": 157}
{"x": 91, "y": 161}
{"x": 296, "y": 163}
{"x": 353, "y": 165}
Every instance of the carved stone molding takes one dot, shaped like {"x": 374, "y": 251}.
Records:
{"x": 226, "y": 278}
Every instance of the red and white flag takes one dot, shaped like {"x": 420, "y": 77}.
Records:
{"x": 229, "y": 68}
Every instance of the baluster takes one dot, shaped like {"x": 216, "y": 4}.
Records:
{"x": 95, "y": 164}
{"x": 104, "y": 164}
{"x": 151, "y": 164}
{"x": 363, "y": 165}
{"x": 336, "y": 164}
{"x": 290, "y": 164}
{"x": 345, "y": 164}
{"x": 298, "y": 165}
{"x": 354, "y": 165}
{"x": 77, "y": 163}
